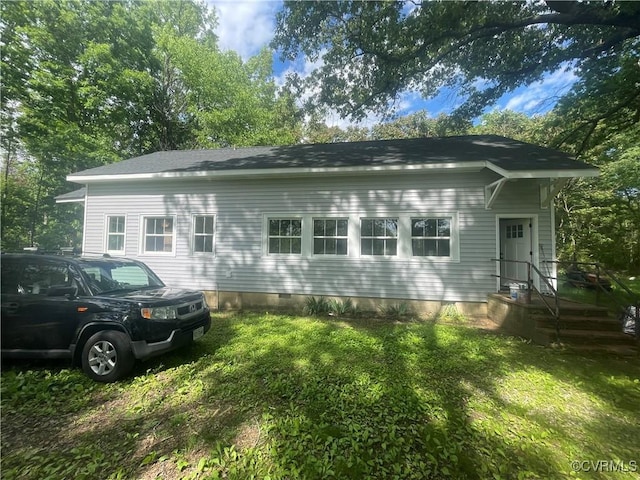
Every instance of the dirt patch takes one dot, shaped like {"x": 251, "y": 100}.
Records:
{"x": 248, "y": 435}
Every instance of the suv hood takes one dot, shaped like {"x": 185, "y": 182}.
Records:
{"x": 155, "y": 295}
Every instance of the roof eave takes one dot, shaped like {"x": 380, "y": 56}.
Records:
{"x": 279, "y": 172}
{"x": 548, "y": 173}
{"x": 296, "y": 172}
{"x": 77, "y": 200}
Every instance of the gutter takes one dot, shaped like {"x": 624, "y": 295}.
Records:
{"x": 298, "y": 172}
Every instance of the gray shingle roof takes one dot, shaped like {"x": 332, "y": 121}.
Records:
{"x": 508, "y": 154}
{"x": 75, "y": 196}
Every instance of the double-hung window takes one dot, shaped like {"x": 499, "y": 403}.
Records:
{"x": 159, "y": 234}
{"x": 285, "y": 236}
{"x": 431, "y": 237}
{"x": 330, "y": 236}
{"x": 379, "y": 236}
{"x": 115, "y": 233}
{"x": 203, "y": 233}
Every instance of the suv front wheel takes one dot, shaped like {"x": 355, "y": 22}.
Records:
{"x": 107, "y": 356}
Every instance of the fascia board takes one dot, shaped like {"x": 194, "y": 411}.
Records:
{"x": 513, "y": 174}
{"x": 555, "y": 173}
{"x": 294, "y": 172}
{"x": 279, "y": 172}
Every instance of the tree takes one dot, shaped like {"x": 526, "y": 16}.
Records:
{"x": 74, "y": 83}
{"x": 510, "y": 124}
{"x": 87, "y": 83}
{"x": 237, "y": 104}
{"x": 419, "y": 124}
{"x": 599, "y": 218}
{"x": 372, "y": 52}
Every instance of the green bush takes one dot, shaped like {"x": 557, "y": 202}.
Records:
{"x": 396, "y": 310}
{"x": 451, "y": 313}
{"x": 316, "y": 306}
{"x": 342, "y": 307}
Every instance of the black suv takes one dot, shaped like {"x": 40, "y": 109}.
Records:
{"x": 103, "y": 313}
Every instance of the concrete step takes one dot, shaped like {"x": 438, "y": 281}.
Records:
{"x": 582, "y": 310}
{"x": 573, "y": 322}
{"x": 589, "y": 337}
{"x": 567, "y": 309}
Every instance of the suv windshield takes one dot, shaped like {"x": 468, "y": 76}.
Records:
{"x": 111, "y": 276}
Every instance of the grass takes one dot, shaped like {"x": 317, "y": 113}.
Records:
{"x": 272, "y": 397}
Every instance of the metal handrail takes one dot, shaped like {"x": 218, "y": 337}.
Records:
{"x": 554, "y": 310}
{"x": 634, "y": 299}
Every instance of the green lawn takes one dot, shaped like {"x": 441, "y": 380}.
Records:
{"x": 266, "y": 396}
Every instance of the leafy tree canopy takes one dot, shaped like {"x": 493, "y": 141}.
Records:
{"x": 86, "y": 83}
{"x": 372, "y": 52}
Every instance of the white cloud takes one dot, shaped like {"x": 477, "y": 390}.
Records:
{"x": 541, "y": 96}
{"x": 245, "y": 26}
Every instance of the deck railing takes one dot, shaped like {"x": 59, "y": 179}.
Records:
{"x": 621, "y": 299}
{"x": 551, "y": 298}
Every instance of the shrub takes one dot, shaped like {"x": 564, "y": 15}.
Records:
{"x": 316, "y": 306}
{"x": 451, "y": 313}
{"x": 341, "y": 307}
{"x": 396, "y": 310}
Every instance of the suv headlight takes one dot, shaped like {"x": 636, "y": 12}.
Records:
{"x": 159, "y": 313}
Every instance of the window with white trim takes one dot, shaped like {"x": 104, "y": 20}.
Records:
{"x": 115, "y": 233}
{"x": 431, "y": 237}
{"x": 159, "y": 234}
{"x": 330, "y": 236}
{"x": 379, "y": 236}
{"x": 284, "y": 236}
{"x": 203, "y": 232}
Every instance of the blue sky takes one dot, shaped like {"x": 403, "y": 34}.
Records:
{"x": 246, "y": 26}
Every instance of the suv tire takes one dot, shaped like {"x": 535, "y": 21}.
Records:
{"x": 107, "y": 356}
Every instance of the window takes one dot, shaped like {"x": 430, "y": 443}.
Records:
{"x": 115, "y": 233}
{"x": 379, "y": 236}
{"x": 285, "y": 236}
{"x": 515, "y": 231}
{"x": 203, "y": 233}
{"x": 109, "y": 276}
{"x": 158, "y": 234}
{"x": 431, "y": 237}
{"x": 38, "y": 277}
{"x": 330, "y": 236}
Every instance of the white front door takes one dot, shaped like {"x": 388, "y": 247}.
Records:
{"x": 515, "y": 244}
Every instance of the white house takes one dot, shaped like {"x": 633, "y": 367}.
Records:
{"x": 397, "y": 220}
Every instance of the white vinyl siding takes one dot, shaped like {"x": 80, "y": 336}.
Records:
{"x": 242, "y": 207}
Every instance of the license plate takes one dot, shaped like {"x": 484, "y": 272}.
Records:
{"x": 198, "y": 332}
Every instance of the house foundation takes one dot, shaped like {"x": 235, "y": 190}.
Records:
{"x": 285, "y": 302}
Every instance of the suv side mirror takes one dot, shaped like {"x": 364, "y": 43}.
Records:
{"x": 62, "y": 291}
